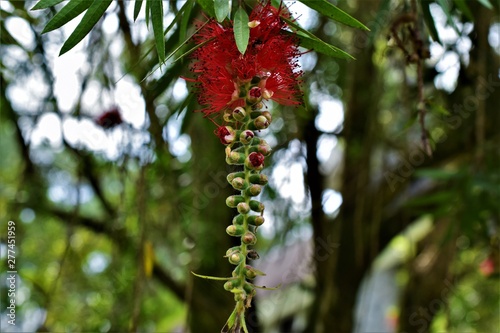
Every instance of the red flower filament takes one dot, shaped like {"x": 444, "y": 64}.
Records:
{"x": 268, "y": 69}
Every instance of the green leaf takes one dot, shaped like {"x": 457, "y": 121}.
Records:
{"x": 185, "y": 19}
{"x": 191, "y": 50}
{"x": 222, "y": 9}
{"x": 462, "y": 5}
{"x": 241, "y": 30}
{"x": 137, "y": 8}
{"x": 157, "y": 22}
{"x": 486, "y": 3}
{"x": 211, "y": 277}
{"x": 93, "y": 14}
{"x": 311, "y": 42}
{"x": 43, "y": 4}
{"x": 207, "y": 6}
{"x": 333, "y": 12}
{"x": 429, "y": 20}
{"x": 66, "y": 14}
{"x": 266, "y": 288}
{"x": 148, "y": 10}
{"x": 230, "y": 322}
{"x": 321, "y": 47}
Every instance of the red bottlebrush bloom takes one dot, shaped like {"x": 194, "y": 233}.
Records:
{"x": 269, "y": 63}
{"x": 110, "y": 118}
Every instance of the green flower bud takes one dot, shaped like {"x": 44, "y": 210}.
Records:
{"x": 243, "y": 208}
{"x": 235, "y": 158}
{"x": 264, "y": 149}
{"x": 257, "y": 106}
{"x": 234, "y": 249}
{"x": 268, "y": 116}
{"x": 231, "y": 284}
{"x": 233, "y": 200}
{"x": 250, "y": 273}
{"x": 233, "y": 175}
{"x": 249, "y": 238}
{"x": 261, "y": 122}
{"x": 253, "y": 190}
{"x": 246, "y": 137}
{"x": 235, "y": 258}
{"x": 256, "y": 141}
{"x": 258, "y": 178}
{"x": 238, "y": 219}
{"x": 238, "y": 297}
{"x": 249, "y": 289}
{"x": 239, "y": 183}
{"x": 256, "y": 206}
{"x": 235, "y": 230}
{"x": 239, "y": 113}
{"x": 256, "y": 220}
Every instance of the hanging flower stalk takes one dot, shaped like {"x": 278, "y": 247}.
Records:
{"x": 234, "y": 87}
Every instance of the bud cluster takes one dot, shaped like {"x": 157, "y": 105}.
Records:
{"x": 244, "y": 148}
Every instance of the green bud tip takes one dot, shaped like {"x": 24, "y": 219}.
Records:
{"x": 238, "y": 183}
{"x": 239, "y": 113}
{"x": 243, "y": 208}
{"x": 261, "y": 122}
{"x": 253, "y": 190}
{"x": 246, "y": 137}
{"x": 249, "y": 238}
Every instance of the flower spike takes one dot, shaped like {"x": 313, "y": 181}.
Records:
{"x": 236, "y": 87}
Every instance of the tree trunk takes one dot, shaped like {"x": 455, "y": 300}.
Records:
{"x": 210, "y": 305}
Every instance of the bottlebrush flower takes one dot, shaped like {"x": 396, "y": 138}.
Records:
{"x": 269, "y": 66}
{"x": 109, "y": 118}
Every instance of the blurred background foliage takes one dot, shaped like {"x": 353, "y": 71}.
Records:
{"x": 365, "y": 231}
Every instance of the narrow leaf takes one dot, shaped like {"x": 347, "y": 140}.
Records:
{"x": 267, "y": 288}
{"x": 211, "y": 277}
{"x": 310, "y": 41}
{"x": 43, "y": 4}
{"x": 222, "y": 9}
{"x": 333, "y": 12}
{"x": 429, "y": 21}
{"x": 157, "y": 22}
{"x": 137, "y": 8}
{"x": 321, "y": 47}
{"x": 194, "y": 48}
{"x": 93, "y": 14}
{"x": 66, "y": 14}
{"x": 207, "y": 6}
{"x": 486, "y": 3}
{"x": 185, "y": 19}
{"x": 230, "y": 322}
{"x": 148, "y": 10}
{"x": 241, "y": 30}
